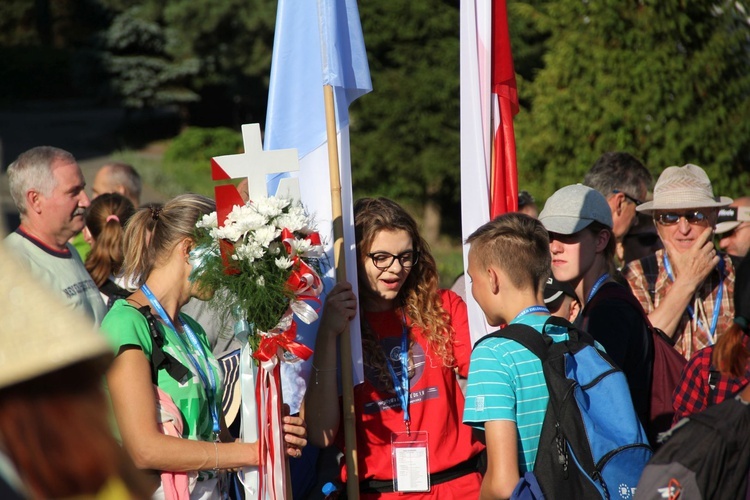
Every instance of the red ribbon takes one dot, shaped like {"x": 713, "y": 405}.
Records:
{"x": 270, "y": 345}
{"x": 299, "y": 280}
{"x": 287, "y": 235}
{"x": 227, "y": 250}
{"x": 272, "y": 482}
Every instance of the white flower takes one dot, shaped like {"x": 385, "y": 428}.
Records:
{"x": 261, "y": 281}
{"x": 284, "y": 262}
{"x": 229, "y": 232}
{"x": 270, "y": 207}
{"x": 249, "y": 251}
{"x": 294, "y": 219}
{"x": 208, "y": 221}
{"x": 300, "y": 247}
{"x": 247, "y": 218}
{"x": 265, "y": 235}
{"x": 275, "y": 248}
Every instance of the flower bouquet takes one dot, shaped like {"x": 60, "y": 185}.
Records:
{"x": 260, "y": 262}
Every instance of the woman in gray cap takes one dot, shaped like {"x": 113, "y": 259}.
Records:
{"x": 579, "y": 222}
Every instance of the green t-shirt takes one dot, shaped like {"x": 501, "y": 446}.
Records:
{"x": 124, "y": 325}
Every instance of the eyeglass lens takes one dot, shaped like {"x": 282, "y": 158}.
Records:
{"x": 671, "y": 218}
{"x": 384, "y": 260}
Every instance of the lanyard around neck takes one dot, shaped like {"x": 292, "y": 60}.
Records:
{"x": 402, "y": 386}
{"x": 208, "y": 381}
{"x": 530, "y": 310}
{"x": 597, "y": 285}
{"x": 717, "y": 303}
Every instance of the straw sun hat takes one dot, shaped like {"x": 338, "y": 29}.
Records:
{"x": 38, "y": 334}
{"x": 682, "y": 188}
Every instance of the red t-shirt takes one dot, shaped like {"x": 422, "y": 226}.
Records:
{"x": 436, "y": 406}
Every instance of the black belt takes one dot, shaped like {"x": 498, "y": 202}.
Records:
{"x": 386, "y": 486}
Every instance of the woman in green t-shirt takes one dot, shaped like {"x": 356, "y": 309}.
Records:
{"x": 157, "y": 260}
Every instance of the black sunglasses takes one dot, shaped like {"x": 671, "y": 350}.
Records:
{"x": 672, "y": 218}
{"x": 635, "y": 200}
{"x": 384, "y": 260}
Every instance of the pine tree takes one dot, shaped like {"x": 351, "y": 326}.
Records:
{"x": 141, "y": 71}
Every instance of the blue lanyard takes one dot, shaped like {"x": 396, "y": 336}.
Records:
{"x": 209, "y": 382}
{"x": 717, "y": 303}
{"x": 402, "y": 386}
{"x": 530, "y": 310}
{"x": 604, "y": 277}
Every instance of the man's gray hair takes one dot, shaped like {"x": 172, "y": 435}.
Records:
{"x": 33, "y": 170}
{"x": 618, "y": 170}
{"x": 123, "y": 174}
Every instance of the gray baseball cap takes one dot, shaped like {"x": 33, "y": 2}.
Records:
{"x": 573, "y": 208}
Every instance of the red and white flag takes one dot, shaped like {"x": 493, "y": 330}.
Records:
{"x": 489, "y": 100}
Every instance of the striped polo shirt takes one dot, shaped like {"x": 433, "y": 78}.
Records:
{"x": 506, "y": 382}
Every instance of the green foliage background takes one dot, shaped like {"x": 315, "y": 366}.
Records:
{"x": 187, "y": 160}
{"x": 667, "y": 81}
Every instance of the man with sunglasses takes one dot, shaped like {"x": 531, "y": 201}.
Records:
{"x": 624, "y": 182}
{"x": 733, "y": 229}
{"x": 686, "y": 288}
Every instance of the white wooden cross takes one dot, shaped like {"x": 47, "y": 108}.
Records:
{"x": 255, "y": 164}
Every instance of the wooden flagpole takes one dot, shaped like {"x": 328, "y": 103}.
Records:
{"x": 347, "y": 382}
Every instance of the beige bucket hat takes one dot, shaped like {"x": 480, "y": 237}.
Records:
{"x": 683, "y": 187}
{"x": 38, "y": 334}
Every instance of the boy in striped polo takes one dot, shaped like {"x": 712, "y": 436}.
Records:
{"x": 506, "y": 395}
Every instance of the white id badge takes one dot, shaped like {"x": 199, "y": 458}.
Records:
{"x": 409, "y": 456}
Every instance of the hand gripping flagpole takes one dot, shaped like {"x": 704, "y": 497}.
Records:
{"x": 347, "y": 382}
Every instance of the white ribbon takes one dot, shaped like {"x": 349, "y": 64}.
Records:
{"x": 304, "y": 311}
{"x": 249, "y": 430}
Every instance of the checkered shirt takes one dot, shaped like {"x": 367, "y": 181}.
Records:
{"x": 690, "y": 338}
{"x": 693, "y": 393}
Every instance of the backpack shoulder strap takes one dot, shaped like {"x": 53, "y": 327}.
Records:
{"x": 525, "y": 335}
{"x": 714, "y": 375}
{"x": 160, "y": 358}
{"x": 575, "y": 334}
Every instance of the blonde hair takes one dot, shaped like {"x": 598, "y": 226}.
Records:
{"x": 418, "y": 296}
{"x": 152, "y": 233}
{"x": 517, "y": 244}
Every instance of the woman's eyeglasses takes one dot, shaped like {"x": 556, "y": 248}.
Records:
{"x": 384, "y": 260}
{"x": 671, "y": 218}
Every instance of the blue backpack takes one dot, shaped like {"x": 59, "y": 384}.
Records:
{"x": 592, "y": 444}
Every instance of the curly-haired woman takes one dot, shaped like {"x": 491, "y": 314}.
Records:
{"x": 406, "y": 418}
